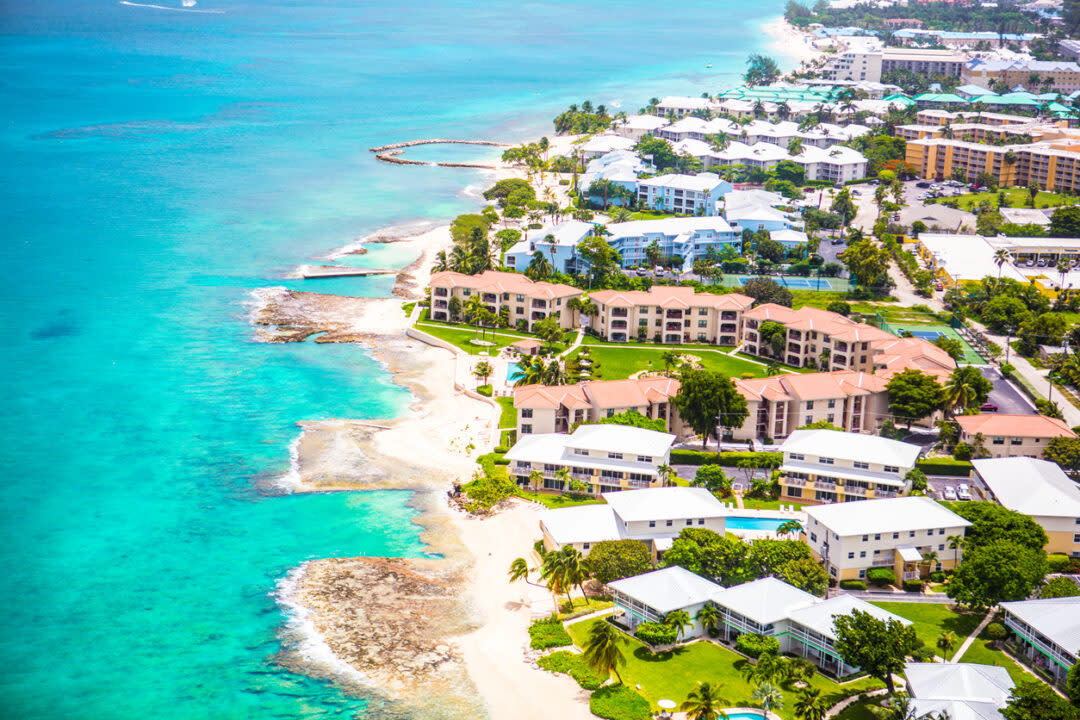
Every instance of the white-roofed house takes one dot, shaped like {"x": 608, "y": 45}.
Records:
{"x": 557, "y": 242}
{"x": 651, "y": 596}
{"x": 1048, "y": 630}
{"x": 825, "y": 466}
{"x": 637, "y": 126}
{"x": 683, "y": 194}
{"x": 757, "y": 210}
{"x": 1040, "y": 490}
{"x": 811, "y": 630}
{"x": 853, "y": 537}
{"x": 836, "y": 164}
{"x": 619, "y": 167}
{"x": 607, "y": 458}
{"x": 964, "y": 690}
{"x": 654, "y": 516}
{"x": 759, "y": 607}
{"x": 687, "y": 237}
{"x": 603, "y": 144}
{"x": 682, "y": 106}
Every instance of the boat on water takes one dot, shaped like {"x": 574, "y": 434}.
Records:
{"x": 189, "y": 3}
{"x": 707, "y": 66}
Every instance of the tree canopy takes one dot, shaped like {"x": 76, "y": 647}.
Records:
{"x": 880, "y": 648}
{"x": 996, "y": 572}
{"x": 1034, "y": 700}
{"x": 760, "y": 70}
{"x": 991, "y": 522}
{"x": 913, "y": 395}
{"x": 612, "y": 560}
{"x": 708, "y": 399}
{"x": 767, "y": 290}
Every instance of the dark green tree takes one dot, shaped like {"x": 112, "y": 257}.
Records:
{"x": 1065, "y": 222}
{"x": 997, "y": 572}
{"x": 708, "y": 399}
{"x": 612, "y": 560}
{"x": 760, "y": 70}
{"x": 880, "y": 648}
{"x": 1034, "y": 700}
{"x": 767, "y": 290}
{"x": 991, "y": 522}
{"x": 913, "y": 395}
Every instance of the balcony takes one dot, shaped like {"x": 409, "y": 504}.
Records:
{"x": 728, "y": 327}
{"x": 618, "y": 324}
{"x": 619, "y": 312}
{"x": 440, "y": 303}
{"x": 824, "y": 485}
{"x": 673, "y": 339}
{"x": 794, "y": 348}
{"x": 441, "y": 292}
{"x": 728, "y": 315}
{"x": 795, "y": 482}
{"x": 539, "y": 316}
{"x": 489, "y": 297}
{"x": 539, "y": 304}
{"x": 674, "y": 314}
{"x": 854, "y": 490}
{"x": 673, "y": 326}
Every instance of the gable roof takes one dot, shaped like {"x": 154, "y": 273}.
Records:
{"x": 764, "y": 601}
{"x": 672, "y": 588}
{"x": 819, "y": 617}
{"x": 671, "y": 296}
{"x": 1030, "y": 486}
{"x": 852, "y": 446}
{"x": 959, "y": 681}
{"x": 810, "y": 386}
{"x": 1014, "y": 425}
{"x": 664, "y": 503}
{"x": 885, "y": 515}
{"x": 493, "y": 281}
{"x": 585, "y": 523}
{"x": 1056, "y": 618}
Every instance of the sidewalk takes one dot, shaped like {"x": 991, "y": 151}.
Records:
{"x": 1038, "y": 378}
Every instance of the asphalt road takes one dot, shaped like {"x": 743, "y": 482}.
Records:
{"x": 1009, "y": 399}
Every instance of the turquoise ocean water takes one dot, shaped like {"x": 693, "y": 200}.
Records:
{"x": 158, "y": 165}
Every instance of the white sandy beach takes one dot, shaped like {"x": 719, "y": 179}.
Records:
{"x": 789, "y": 42}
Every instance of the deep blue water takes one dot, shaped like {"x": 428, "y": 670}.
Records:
{"x": 157, "y": 166}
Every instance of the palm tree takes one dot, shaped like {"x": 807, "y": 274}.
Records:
{"x": 680, "y": 619}
{"x": 665, "y": 472}
{"x": 900, "y": 708}
{"x": 810, "y": 705}
{"x": 959, "y": 393}
{"x": 440, "y": 262}
{"x": 709, "y": 616}
{"x": 482, "y": 370}
{"x": 704, "y": 703}
{"x": 532, "y": 371}
{"x": 946, "y": 642}
{"x": 553, "y": 374}
{"x": 474, "y": 311}
{"x": 1001, "y": 256}
{"x": 930, "y": 558}
{"x": 519, "y": 570}
{"x": 539, "y": 267}
{"x": 789, "y": 527}
{"x": 1063, "y": 267}
{"x": 769, "y": 696}
{"x": 956, "y": 542}
{"x": 773, "y": 368}
{"x": 602, "y": 651}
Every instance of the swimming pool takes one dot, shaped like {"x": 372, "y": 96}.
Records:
{"x": 754, "y": 523}
{"x": 742, "y": 715}
{"x": 795, "y": 283}
{"x": 513, "y": 373}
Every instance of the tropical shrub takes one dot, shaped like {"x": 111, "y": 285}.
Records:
{"x": 574, "y": 665}
{"x": 937, "y": 577}
{"x": 756, "y": 645}
{"x": 655, "y": 633}
{"x": 913, "y": 586}
{"x": 995, "y": 632}
{"x": 619, "y": 702}
{"x": 548, "y": 632}
{"x": 881, "y": 576}
{"x": 852, "y": 584}
{"x": 727, "y": 459}
{"x": 1058, "y": 562}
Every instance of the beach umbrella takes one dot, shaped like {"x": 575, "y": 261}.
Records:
{"x": 666, "y": 704}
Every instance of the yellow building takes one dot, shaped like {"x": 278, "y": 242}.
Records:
{"x": 1053, "y": 164}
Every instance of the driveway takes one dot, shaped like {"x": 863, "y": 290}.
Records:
{"x": 1009, "y": 399}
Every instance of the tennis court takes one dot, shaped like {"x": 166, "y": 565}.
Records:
{"x": 793, "y": 282}
{"x": 930, "y": 333}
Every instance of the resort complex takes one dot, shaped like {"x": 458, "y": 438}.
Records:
{"x": 558, "y": 408}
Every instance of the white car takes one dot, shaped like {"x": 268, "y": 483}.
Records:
{"x": 963, "y": 491}
{"x": 949, "y": 493}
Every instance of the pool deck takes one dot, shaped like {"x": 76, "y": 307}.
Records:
{"x": 756, "y": 534}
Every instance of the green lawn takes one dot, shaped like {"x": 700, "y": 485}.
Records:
{"x": 931, "y": 619}
{"x": 1016, "y": 197}
{"x": 460, "y": 335}
{"x": 508, "y": 419}
{"x": 673, "y": 675}
{"x": 557, "y": 501}
{"x": 981, "y": 653}
{"x": 617, "y": 362}
{"x": 756, "y": 504}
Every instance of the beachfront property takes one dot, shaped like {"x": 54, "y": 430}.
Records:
{"x": 963, "y": 691}
{"x": 636, "y": 127}
{"x": 1048, "y": 631}
{"x": 832, "y": 466}
{"x": 683, "y": 194}
{"x": 682, "y": 106}
{"x": 854, "y": 401}
{"x": 961, "y": 39}
{"x": 674, "y": 314}
{"x": 654, "y": 516}
{"x": 689, "y": 238}
{"x": 858, "y": 57}
{"x": 967, "y": 259}
{"x": 606, "y": 458}
{"x": 557, "y": 408}
{"x": 1040, "y": 490}
{"x": 604, "y": 143}
{"x": 813, "y": 338}
{"x": 621, "y": 168}
{"x": 1012, "y": 435}
{"x": 527, "y": 301}
{"x": 557, "y": 242}
{"x": 1053, "y": 164}
{"x": 894, "y": 533}
{"x": 1056, "y": 76}
{"x": 923, "y": 61}
{"x": 836, "y": 163}
{"x": 802, "y": 623}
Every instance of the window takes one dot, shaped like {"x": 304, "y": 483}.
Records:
{"x": 652, "y": 523}
{"x": 526, "y": 429}
{"x": 799, "y": 456}
{"x": 581, "y": 451}
{"x": 1076, "y": 538}
{"x": 809, "y": 404}
{"x": 861, "y": 465}
{"x": 851, "y": 556}
{"x": 862, "y": 574}
{"x": 644, "y": 458}
{"x": 813, "y": 537}
{"x": 941, "y": 531}
{"x": 702, "y": 311}
{"x": 896, "y": 536}
{"x": 891, "y": 468}
{"x": 862, "y": 554}
{"x": 614, "y": 456}
{"x": 526, "y": 412}
{"x": 689, "y": 521}
{"x": 831, "y": 418}
{"x": 832, "y": 404}
{"x": 999, "y": 441}
{"x": 702, "y": 323}
{"x": 1017, "y": 441}
{"x": 669, "y": 523}
{"x": 611, "y": 412}
{"x": 941, "y": 546}
{"x": 911, "y": 533}
{"x": 825, "y": 461}
{"x": 701, "y": 521}
{"x": 865, "y": 538}
{"x": 877, "y": 536}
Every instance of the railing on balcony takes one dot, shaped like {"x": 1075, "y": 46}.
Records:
{"x": 911, "y": 574}
{"x": 673, "y": 314}
{"x": 541, "y": 304}
{"x": 619, "y": 312}
{"x": 673, "y": 327}
{"x": 618, "y": 324}
{"x": 881, "y": 562}
{"x": 441, "y": 292}
{"x": 854, "y": 490}
{"x": 824, "y": 485}
{"x": 795, "y": 482}
{"x": 728, "y": 327}
{"x": 728, "y": 315}
{"x": 490, "y": 297}
{"x": 795, "y": 335}
{"x": 792, "y": 347}
{"x": 440, "y": 303}
{"x": 539, "y": 316}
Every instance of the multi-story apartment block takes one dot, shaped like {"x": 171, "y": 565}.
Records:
{"x": 528, "y": 302}
{"x": 813, "y": 337}
{"x": 558, "y": 244}
{"x": 1053, "y": 164}
{"x": 851, "y": 538}
{"x": 683, "y": 194}
{"x": 859, "y": 59}
{"x": 683, "y": 106}
{"x": 1040, "y": 490}
{"x": 674, "y": 314}
{"x": 836, "y": 164}
{"x": 1012, "y": 435}
{"x": 1049, "y": 630}
{"x": 1035, "y": 75}
{"x": 923, "y": 62}
{"x": 830, "y": 466}
{"x": 687, "y": 237}
{"x": 899, "y": 354}
{"x": 851, "y": 400}
{"x": 606, "y": 458}
{"x": 557, "y": 408}
{"x": 653, "y": 516}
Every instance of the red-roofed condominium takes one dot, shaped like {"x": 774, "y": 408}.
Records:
{"x": 557, "y": 408}
{"x": 527, "y": 302}
{"x": 813, "y": 337}
{"x": 1012, "y": 435}
{"x": 671, "y": 315}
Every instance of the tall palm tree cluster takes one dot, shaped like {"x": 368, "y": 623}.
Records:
{"x": 472, "y": 256}
{"x": 585, "y": 119}
{"x": 535, "y": 370}
{"x": 561, "y": 570}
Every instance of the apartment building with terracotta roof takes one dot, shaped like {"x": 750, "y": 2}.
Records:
{"x": 898, "y": 354}
{"x": 849, "y": 399}
{"x": 527, "y": 301}
{"x": 557, "y": 408}
{"x": 675, "y": 315}
{"x": 1012, "y": 435}
{"x": 813, "y": 337}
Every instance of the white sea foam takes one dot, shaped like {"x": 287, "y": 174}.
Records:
{"x": 391, "y": 233}
{"x": 291, "y": 479}
{"x": 177, "y": 9}
{"x": 260, "y": 298}
{"x": 302, "y": 639}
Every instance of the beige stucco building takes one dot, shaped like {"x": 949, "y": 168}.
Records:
{"x": 556, "y": 408}
{"x": 895, "y": 533}
{"x": 525, "y": 299}
{"x": 1012, "y": 435}
{"x": 675, "y": 314}
{"x": 814, "y": 337}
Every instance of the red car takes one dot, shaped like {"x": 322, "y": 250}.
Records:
{"x": 988, "y": 407}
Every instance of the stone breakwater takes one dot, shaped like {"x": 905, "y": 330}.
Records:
{"x": 391, "y": 153}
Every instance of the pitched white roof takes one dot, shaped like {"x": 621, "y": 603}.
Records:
{"x": 702, "y": 182}
{"x": 673, "y": 588}
{"x": 1030, "y": 486}
{"x": 607, "y": 143}
{"x": 644, "y": 122}
{"x": 665, "y": 503}
{"x": 621, "y": 439}
{"x": 957, "y": 709}
{"x": 885, "y": 515}
{"x": 585, "y": 523}
{"x": 1056, "y": 618}
{"x": 852, "y": 446}
{"x": 959, "y": 681}
{"x": 672, "y": 227}
{"x": 819, "y": 617}
{"x": 764, "y": 601}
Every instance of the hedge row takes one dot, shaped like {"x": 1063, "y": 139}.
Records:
{"x": 548, "y": 632}
{"x": 945, "y": 466}
{"x": 728, "y": 459}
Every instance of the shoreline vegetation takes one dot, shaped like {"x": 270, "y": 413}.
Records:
{"x": 443, "y": 636}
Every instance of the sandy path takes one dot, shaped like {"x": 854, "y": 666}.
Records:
{"x": 496, "y": 654}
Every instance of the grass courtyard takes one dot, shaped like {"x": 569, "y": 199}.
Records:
{"x": 620, "y": 361}
{"x": 932, "y": 619}
{"x": 460, "y": 336}
{"x": 1015, "y": 197}
{"x": 980, "y": 652}
{"x": 673, "y": 675}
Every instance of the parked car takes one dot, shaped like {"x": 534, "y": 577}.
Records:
{"x": 939, "y": 286}
{"x": 1040, "y": 263}
{"x": 949, "y": 493}
{"x": 837, "y": 241}
{"x": 641, "y": 272}
{"x": 1029, "y": 263}
{"x": 988, "y": 407}
{"x": 922, "y": 184}
{"x": 963, "y": 491}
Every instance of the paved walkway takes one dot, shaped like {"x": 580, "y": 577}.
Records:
{"x": 971, "y": 638}
{"x": 573, "y": 346}
{"x": 843, "y": 704}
